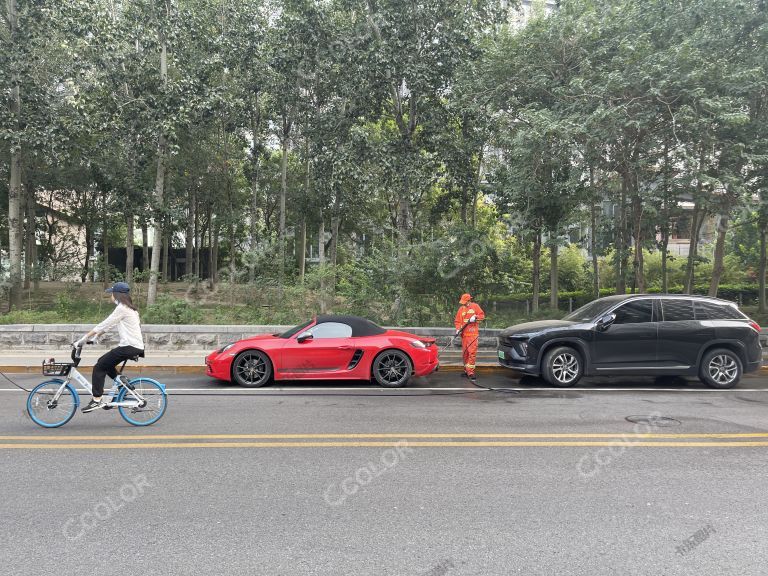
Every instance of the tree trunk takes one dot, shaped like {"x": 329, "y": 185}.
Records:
{"x": 215, "y": 254}
{"x": 283, "y": 195}
{"x": 166, "y": 251}
{"x": 14, "y": 186}
{"x": 593, "y": 250}
{"x": 32, "y": 247}
{"x": 639, "y": 272}
{"x": 105, "y": 253}
{"x": 162, "y": 146}
{"x": 763, "y": 226}
{"x": 696, "y": 221}
{"x": 553, "y": 299}
{"x": 144, "y": 247}
{"x": 536, "y": 280}
{"x": 157, "y": 233}
{"x": 129, "y": 247}
{"x": 621, "y": 285}
{"x": 321, "y": 241}
{"x": 232, "y": 254}
{"x": 476, "y": 189}
{"x": 321, "y": 261}
{"x": 255, "y": 159}
{"x": 198, "y": 241}
{"x": 30, "y": 244}
{"x": 88, "y": 251}
{"x": 189, "y": 235}
{"x": 718, "y": 268}
{"x": 404, "y": 206}
{"x": 335, "y": 220}
{"x": 302, "y": 255}
{"x": 664, "y": 256}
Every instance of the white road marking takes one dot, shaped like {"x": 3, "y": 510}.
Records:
{"x": 266, "y": 391}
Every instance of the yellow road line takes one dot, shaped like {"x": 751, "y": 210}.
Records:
{"x": 417, "y": 444}
{"x": 350, "y": 436}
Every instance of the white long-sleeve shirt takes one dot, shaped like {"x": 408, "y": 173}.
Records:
{"x": 128, "y": 326}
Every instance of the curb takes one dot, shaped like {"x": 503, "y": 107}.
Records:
{"x": 200, "y": 370}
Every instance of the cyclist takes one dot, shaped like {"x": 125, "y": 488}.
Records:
{"x": 126, "y": 319}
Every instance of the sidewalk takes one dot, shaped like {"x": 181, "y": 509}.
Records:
{"x": 188, "y": 361}
{"x": 193, "y": 361}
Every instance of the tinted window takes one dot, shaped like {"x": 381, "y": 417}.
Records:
{"x": 634, "y": 312}
{"x": 712, "y": 311}
{"x": 332, "y": 330}
{"x": 677, "y": 309}
{"x": 590, "y": 311}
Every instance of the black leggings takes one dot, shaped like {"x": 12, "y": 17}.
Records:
{"x": 107, "y": 366}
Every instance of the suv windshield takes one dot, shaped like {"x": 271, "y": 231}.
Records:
{"x": 589, "y": 311}
{"x": 296, "y": 329}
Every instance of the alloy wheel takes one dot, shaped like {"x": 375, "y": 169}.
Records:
{"x": 392, "y": 368}
{"x": 251, "y": 369}
{"x": 723, "y": 369}
{"x": 565, "y": 367}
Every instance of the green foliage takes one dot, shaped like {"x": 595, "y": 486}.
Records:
{"x": 169, "y": 310}
{"x": 434, "y": 146}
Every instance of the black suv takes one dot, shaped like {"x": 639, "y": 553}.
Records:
{"x": 638, "y": 335}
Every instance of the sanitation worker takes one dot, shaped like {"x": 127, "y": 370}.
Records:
{"x": 466, "y": 323}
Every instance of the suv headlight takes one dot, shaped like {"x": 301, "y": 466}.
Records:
{"x": 523, "y": 347}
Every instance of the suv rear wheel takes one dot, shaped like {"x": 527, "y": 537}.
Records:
{"x": 720, "y": 368}
{"x": 562, "y": 366}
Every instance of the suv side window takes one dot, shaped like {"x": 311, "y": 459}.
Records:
{"x": 713, "y": 311}
{"x": 634, "y": 312}
{"x": 332, "y": 330}
{"x": 677, "y": 309}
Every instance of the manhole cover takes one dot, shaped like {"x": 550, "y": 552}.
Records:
{"x": 656, "y": 421}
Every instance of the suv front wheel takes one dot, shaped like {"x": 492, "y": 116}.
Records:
{"x": 562, "y": 367}
{"x": 720, "y": 368}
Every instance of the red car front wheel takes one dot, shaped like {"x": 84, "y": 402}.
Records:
{"x": 251, "y": 369}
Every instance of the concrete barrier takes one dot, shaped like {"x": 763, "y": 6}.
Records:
{"x": 176, "y": 337}
{"x": 184, "y": 337}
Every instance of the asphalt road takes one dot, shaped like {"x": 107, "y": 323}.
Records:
{"x": 436, "y": 480}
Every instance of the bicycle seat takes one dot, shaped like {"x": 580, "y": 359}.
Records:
{"x": 136, "y": 358}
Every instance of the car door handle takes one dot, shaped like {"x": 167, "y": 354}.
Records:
{"x": 345, "y": 347}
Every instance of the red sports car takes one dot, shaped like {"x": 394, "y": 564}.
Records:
{"x": 326, "y": 348}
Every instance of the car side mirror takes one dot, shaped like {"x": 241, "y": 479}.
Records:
{"x": 605, "y": 321}
{"x": 304, "y": 337}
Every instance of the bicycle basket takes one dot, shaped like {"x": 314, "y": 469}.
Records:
{"x": 56, "y": 368}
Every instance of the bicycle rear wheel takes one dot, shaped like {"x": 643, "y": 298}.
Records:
{"x": 48, "y": 413}
{"x": 156, "y": 402}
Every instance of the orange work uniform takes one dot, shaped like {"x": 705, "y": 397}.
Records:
{"x": 469, "y": 336}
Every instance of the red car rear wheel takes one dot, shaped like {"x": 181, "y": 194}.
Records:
{"x": 392, "y": 369}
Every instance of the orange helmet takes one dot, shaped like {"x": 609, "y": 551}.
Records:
{"x": 465, "y": 298}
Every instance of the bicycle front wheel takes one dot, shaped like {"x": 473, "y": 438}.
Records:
{"x": 155, "y": 402}
{"x": 48, "y": 411}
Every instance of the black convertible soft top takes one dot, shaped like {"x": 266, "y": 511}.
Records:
{"x": 360, "y": 326}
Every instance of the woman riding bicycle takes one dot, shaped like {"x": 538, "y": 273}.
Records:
{"x": 126, "y": 318}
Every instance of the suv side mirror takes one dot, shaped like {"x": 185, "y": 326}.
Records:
{"x": 605, "y": 321}
{"x": 304, "y": 337}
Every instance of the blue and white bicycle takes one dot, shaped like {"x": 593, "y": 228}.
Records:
{"x": 140, "y": 401}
